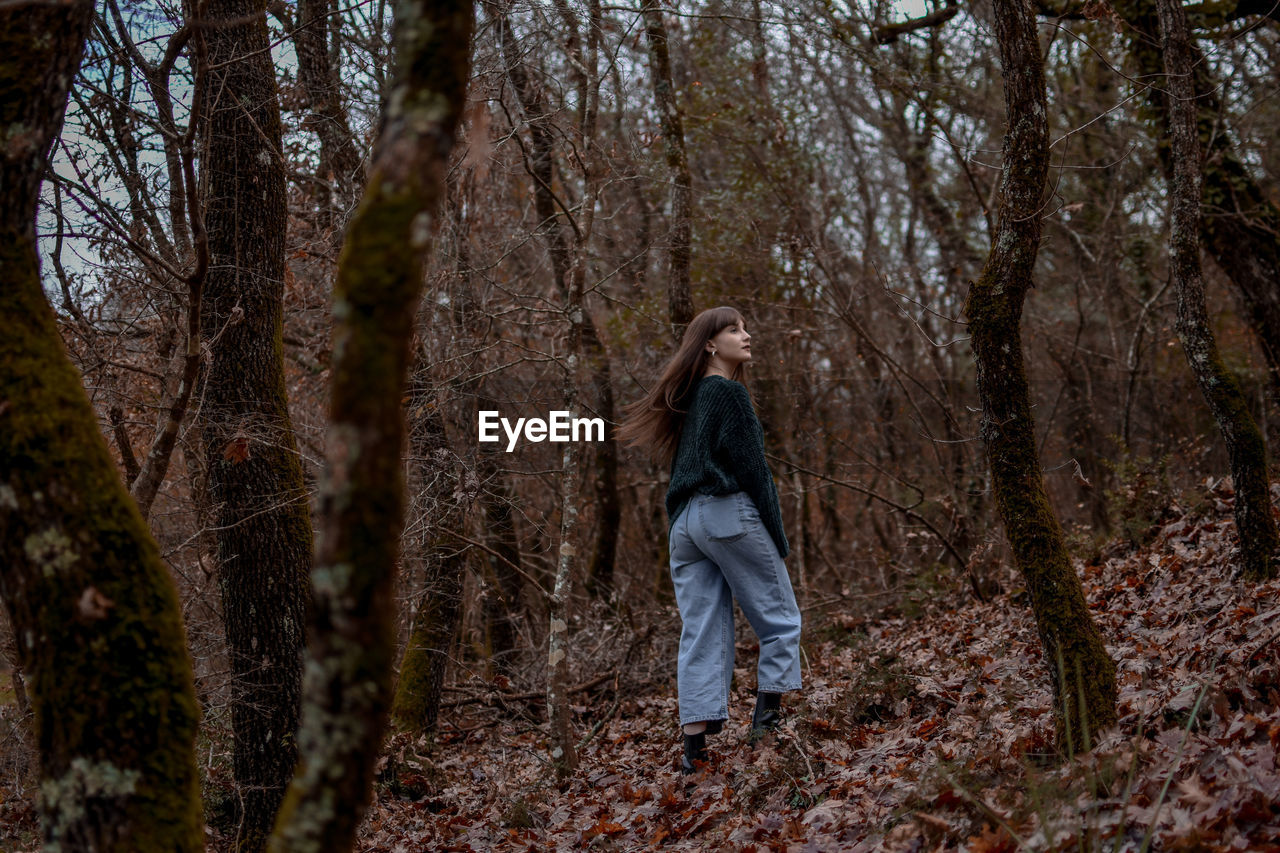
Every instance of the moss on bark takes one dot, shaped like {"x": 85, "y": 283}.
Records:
{"x": 1082, "y": 674}
{"x": 95, "y": 613}
{"x": 347, "y": 689}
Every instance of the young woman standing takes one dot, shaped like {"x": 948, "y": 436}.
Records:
{"x": 726, "y": 539}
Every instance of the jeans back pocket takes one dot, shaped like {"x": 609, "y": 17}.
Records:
{"x": 722, "y": 517}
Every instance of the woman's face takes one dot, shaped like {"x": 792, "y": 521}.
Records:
{"x": 731, "y": 345}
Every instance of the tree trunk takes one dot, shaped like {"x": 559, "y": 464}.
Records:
{"x": 340, "y": 169}
{"x": 255, "y": 488}
{"x": 1254, "y": 523}
{"x": 349, "y": 667}
{"x": 96, "y": 615}
{"x": 446, "y": 489}
{"x": 1082, "y": 674}
{"x": 505, "y": 598}
{"x": 679, "y": 296}
{"x": 604, "y": 548}
{"x": 1239, "y": 224}
{"x": 564, "y": 755}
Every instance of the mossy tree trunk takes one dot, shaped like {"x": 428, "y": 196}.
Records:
{"x": 679, "y": 296}
{"x": 255, "y": 485}
{"x": 95, "y": 613}
{"x": 1240, "y": 224}
{"x": 446, "y": 489}
{"x": 349, "y": 660}
{"x": 1082, "y": 674}
{"x": 1248, "y": 452}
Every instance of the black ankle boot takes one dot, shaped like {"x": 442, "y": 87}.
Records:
{"x": 767, "y": 715}
{"x": 695, "y": 750}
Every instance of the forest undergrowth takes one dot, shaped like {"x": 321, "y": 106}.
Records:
{"x": 926, "y": 727}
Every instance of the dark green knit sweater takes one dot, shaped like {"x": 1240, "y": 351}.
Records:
{"x": 721, "y": 451}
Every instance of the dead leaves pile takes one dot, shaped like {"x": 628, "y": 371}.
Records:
{"x": 924, "y": 733}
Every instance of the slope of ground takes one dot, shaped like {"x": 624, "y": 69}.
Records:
{"x": 928, "y": 732}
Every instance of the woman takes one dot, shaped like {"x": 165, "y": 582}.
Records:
{"x": 726, "y": 540}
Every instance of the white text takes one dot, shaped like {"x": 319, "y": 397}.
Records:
{"x": 559, "y": 426}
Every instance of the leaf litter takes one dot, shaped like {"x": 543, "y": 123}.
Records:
{"x": 926, "y": 732}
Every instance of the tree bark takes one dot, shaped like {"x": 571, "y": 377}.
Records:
{"x": 1254, "y": 523}
{"x": 349, "y": 661}
{"x": 1240, "y": 225}
{"x": 505, "y": 563}
{"x": 564, "y": 755}
{"x": 341, "y": 168}
{"x": 447, "y": 491}
{"x": 679, "y": 295}
{"x": 255, "y": 485}
{"x": 1081, "y": 672}
{"x": 96, "y": 615}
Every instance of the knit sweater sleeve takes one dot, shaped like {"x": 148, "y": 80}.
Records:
{"x": 741, "y": 441}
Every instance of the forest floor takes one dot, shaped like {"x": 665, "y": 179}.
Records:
{"x": 925, "y": 728}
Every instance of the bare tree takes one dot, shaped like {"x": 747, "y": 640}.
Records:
{"x": 566, "y": 235}
{"x": 186, "y": 219}
{"x": 1240, "y": 224}
{"x": 341, "y": 170}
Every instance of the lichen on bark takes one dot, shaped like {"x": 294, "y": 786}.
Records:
{"x": 347, "y": 684}
{"x": 102, "y": 643}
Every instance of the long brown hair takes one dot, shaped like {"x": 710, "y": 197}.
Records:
{"x": 655, "y": 420}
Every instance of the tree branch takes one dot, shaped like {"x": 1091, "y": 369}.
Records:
{"x": 890, "y": 33}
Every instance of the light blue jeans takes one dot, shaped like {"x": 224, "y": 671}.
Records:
{"x": 720, "y": 551}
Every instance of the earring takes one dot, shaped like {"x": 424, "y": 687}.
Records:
{"x": 713, "y": 352}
